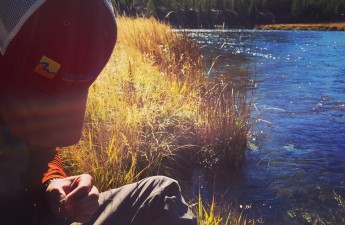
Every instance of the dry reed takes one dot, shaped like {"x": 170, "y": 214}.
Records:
{"x": 152, "y": 102}
{"x": 304, "y": 26}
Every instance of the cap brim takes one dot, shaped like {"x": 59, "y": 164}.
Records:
{"x": 43, "y": 119}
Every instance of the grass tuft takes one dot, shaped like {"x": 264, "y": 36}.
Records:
{"x": 153, "y": 102}
{"x": 304, "y": 26}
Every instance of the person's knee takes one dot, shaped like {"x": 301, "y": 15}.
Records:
{"x": 161, "y": 184}
{"x": 165, "y": 180}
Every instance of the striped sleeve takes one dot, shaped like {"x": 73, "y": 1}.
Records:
{"x": 55, "y": 169}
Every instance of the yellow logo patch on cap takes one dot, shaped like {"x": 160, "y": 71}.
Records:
{"x": 47, "y": 67}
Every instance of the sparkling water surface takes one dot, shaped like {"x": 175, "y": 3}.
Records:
{"x": 297, "y": 169}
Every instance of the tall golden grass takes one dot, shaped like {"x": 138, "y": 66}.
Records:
{"x": 209, "y": 215}
{"x": 304, "y": 26}
{"x": 152, "y": 102}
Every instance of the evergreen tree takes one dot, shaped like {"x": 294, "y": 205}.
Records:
{"x": 151, "y": 5}
{"x": 186, "y": 5}
{"x": 219, "y": 4}
{"x": 296, "y": 10}
{"x": 253, "y": 10}
{"x": 282, "y": 10}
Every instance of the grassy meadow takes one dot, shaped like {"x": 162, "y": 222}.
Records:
{"x": 153, "y": 111}
{"x": 304, "y": 26}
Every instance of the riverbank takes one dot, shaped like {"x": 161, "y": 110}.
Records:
{"x": 153, "y": 111}
{"x": 303, "y": 26}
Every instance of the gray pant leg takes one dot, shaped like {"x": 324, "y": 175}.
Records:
{"x": 152, "y": 201}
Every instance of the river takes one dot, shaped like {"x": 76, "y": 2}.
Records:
{"x": 295, "y": 173}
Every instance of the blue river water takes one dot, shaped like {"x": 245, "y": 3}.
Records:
{"x": 294, "y": 172}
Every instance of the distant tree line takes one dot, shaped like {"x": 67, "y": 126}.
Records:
{"x": 210, "y": 13}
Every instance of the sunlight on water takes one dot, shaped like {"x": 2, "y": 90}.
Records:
{"x": 299, "y": 139}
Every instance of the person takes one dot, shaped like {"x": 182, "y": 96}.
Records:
{"x": 51, "y": 52}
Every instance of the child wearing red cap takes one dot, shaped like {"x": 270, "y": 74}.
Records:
{"x": 51, "y": 52}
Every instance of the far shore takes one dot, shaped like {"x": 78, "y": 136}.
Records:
{"x": 304, "y": 26}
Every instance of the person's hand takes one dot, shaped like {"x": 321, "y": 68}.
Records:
{"x": 73, "y": 198}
